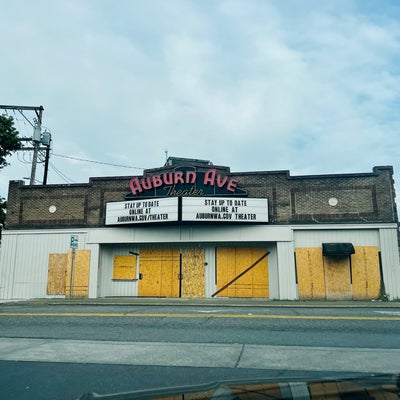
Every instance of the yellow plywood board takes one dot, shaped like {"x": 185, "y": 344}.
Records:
{"x": 193, "y": 274}
{"x": 150, "y": 271}
{"x": 243, "y": 286}
{"x": 320, "y": 277}
{"x": 231, "y": 262}
{"x": 124, "y": 267}
{"x": 80, "y": 279}
{"x": 337, "y": 278}
{"x": 366, "y": 273}
{"x": 226, "y": 269}
{"x": 160, "y": 272}
{"x": 56, "y": 274}
{"x": 310, "y": 273}
{"x": 259, "y": 274}
{"x": 221, "y": 267}
{"x": 170, "y": 268}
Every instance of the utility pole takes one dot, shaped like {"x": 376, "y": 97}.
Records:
{"x": 36, "y": 138}
{"x": 46, "y": 164}
{"x": 37, "y": 133}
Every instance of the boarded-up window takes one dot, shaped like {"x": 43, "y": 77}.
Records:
{"x": 80, "y": 278}
{"x": 59, "y": 274}
{"x": 124, "y": 267}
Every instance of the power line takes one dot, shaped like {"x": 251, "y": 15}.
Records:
{"x": 22, "y": 161}
{"x": 60, "y": 174}
{"x": 96, "y": 162}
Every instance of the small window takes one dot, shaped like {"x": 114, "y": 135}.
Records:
{"x": 124, "y": 268}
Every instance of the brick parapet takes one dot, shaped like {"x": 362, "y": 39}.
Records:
{"x": 345, "y": 198}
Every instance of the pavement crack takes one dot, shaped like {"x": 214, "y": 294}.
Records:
{"x": 240, "y": 356}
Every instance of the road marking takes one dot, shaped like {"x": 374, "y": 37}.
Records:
{"x": 389, "y": 312}
{"x": 177, "y": 315}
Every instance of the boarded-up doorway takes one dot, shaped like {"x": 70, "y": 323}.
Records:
{"x": 337, "y": 278}
{"x": 159, "y": 272}
{"x": 193, "y": 274}
{"x": 231, "y": 262}
{"x": 171, "y": 273}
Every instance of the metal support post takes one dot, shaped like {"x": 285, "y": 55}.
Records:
{"x": 71, "y": 277}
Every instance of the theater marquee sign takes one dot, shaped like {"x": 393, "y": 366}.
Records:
{"x": 184, "y": 182}
{"x": 188, "y": 209}
{"x": 186, "y": 195}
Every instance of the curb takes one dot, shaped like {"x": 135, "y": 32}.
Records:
{"x": 157, "y": 302}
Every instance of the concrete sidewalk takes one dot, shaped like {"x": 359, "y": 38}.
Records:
{"x": 206, "y": 355}
{"x": 202, "y": 302}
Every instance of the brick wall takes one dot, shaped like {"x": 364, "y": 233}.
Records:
{"x": 348, "y": 198}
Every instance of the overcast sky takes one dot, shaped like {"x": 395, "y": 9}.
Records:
{"x": 307, "y": 86}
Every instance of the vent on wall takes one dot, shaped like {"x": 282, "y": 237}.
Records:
{"x": 337, "y": 249}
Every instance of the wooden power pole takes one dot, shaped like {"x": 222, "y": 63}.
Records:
{"x": 36, "y": 138}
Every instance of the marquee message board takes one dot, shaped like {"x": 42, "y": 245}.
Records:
{"x": 188, "y": 209}
{"x": 142, "y": 211}
{"x": 222, "y": 209}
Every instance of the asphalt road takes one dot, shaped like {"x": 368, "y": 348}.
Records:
{"x": 62, "y": 351}
{"x": 288, "y": 326}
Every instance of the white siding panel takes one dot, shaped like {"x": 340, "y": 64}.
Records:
{"x": 24, "y": 261}
{"x": 209, "y": 256}
{"x": 273, "y": 272}
{"x": 193, "y": 234}
{"x": 315, "y": 238}
{"x": 7, "y": 263}
{"x": 108, "y": 287}
{"x": 94, "y": 270}
{"x": 287, "y": 272}
{"x": 390, "y": 262}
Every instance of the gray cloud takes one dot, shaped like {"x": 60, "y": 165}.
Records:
{"x": 251, "y": 84}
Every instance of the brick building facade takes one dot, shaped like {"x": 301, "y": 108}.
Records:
{"x": 361, "y": 198}
{"x": 202, "y": 256}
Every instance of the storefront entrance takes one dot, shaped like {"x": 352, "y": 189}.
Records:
{"x": 171, "y": 273}
{"x": 159, "y": 272}
{"x": 354, "y": 277}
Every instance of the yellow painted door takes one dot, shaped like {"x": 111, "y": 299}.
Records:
{"x": 310, "y": 273}
{"x": 337, "y": 278}
{"x": 159, "y": 271}
{"x": 231, "y": 262}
